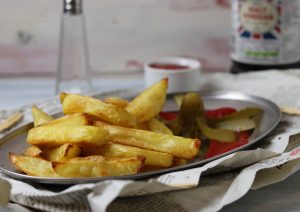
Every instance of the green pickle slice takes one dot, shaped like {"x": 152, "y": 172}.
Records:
{"x": 236, "y": 125}
{"x": 244, "y": 113}
{"x": 222, "y": 135}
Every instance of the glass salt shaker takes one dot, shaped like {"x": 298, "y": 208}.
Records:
{"x": 73, "y": 69}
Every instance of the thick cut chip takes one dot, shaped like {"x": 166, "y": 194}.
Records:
{"x": 142, "y": 126}
{"x": 149, "y": 103}
{"x": 39, "y": 116}
{"x": 96, "y": 109}
{"x": 33, "y": 166}
{"x": 117, "y": 101}
{"x": 33, "y": 151}
{"x": 10, "y": 121}
{"x": 178, "y": 99}
{"x": 147, "y": 168}
{"x": 124, "y": 166}
{"x": 61, "y": 153}
{"x": 157, "y": 126}
{"x": 98, "y": 166}
{"x": 179, "y": 162}
{"x": 178, "y": 146}
{"x": 56, "y": 135}
{"x": 78, "y": 119}
{"x": 91, "y": 150}
{"x": 153, "y": 158}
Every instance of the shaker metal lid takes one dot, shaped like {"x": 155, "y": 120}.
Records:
{"x": 72, "y": 7}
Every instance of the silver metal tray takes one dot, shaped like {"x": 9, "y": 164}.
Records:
{"x": 16, "y": 141}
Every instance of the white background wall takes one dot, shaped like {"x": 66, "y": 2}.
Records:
{"x": 122, "y": 34}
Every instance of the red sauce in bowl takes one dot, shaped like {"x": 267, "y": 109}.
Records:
{"x": 168, "y": 66}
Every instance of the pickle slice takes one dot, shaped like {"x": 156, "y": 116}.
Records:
{"x": 191, "y": 107}
{"x": 244, "y": 113}
{"x": 222, "y": 135}
{"x": 236, "y": 125}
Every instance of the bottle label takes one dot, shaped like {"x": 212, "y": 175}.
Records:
{"x": 266, "y": 32}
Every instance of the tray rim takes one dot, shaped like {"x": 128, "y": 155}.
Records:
{"x": 226, "y": 95}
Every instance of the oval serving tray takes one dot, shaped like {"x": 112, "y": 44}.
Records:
{"x": 16, "y": 140}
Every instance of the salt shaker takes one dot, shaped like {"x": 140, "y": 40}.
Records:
{"x": 73, "y": 71}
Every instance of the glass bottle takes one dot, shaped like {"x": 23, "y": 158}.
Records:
{"x": 73, "y": 71}
{"x": 265, "y": 35}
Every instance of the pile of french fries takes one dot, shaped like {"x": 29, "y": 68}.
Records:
{"x": 109, "y": 137}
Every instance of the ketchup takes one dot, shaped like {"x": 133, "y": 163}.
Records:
{"x": 168, "y": 66}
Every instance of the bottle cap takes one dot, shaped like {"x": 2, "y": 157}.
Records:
{"x": 72, "y": 7}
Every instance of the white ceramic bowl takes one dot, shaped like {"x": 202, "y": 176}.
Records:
{"x": 183, "y": 73}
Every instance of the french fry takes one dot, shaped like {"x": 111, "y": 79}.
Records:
{"x": 77, "y": 119}
{"x": 33, "y": 151}
{"x": 153, "y": 158}
{"x": 179, "y": 162}
{"x": 142, "y": 126}
{"x": 39, "y": 116}
{"x": 290, "y": 111}
{"x": 57, "y": 135}
{"x": 147, "y": 168}
{"x": 117, "y": 101}
{"x": 118, "y": 150}
{"x": 178, "y": 146}
{"x": 124, "y": 166}
{"x": 62, "y": 96}
{"x": 61, "y": 153}
{"x": 157, "y": 126}
{"x": 178, "y": 99}
{"x": 33, "y": 166}
{"x": 10, "y": 121}
{"x": 149, "y": 103}
{"x": 74, "y": 103}
{"x": 98, "y": 166}
{"x": 91, "y": 150}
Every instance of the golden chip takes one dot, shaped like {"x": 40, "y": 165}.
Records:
{"x": 149, "y": 103}
{"x": 153, "y": 158}
{"x": 178, "y": 146}
{"x": 98, "y": 166}
{"x": 56, "y": 135}
{"x": 33, "y": 166}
